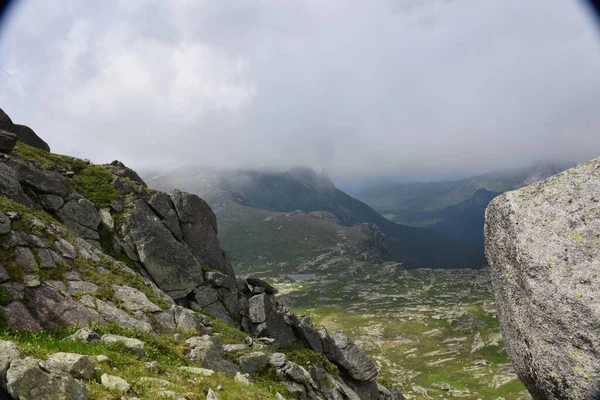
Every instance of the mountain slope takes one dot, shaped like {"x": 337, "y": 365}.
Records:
{"x": 303, "y": 189}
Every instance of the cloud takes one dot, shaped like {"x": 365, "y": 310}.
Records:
{"x": 361, "y": 89}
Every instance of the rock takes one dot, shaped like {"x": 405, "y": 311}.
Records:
{"x": 81, "y": 216}
{"x": 309, "y": 334}
{"x": 17, "y": 316}
{"x": 46, "y": 259}
{"x": 212, "y": 395}
{"x": 198, "y": 371}
{"x": 232, "y": 348}
{"x": 199, "y": 229}
{"x": 252, "y": 362}
{"x": 134, "y": 345}
{"x": 75, "y": 364}
{"x": 146, "y": 380}
{"x": 169, "y": 394}
{"x": 217, "y": 279}
{"x": 478, "y": 343}
{"x": 84, "y": 335}
{"x": 277, "y": 360}
{"x": 41, "y": 181}
{"x": 25, "y": 258}
{"x": 29, "y": 137}
{"x": 10, "y": 186}
{"x": 112, "y": 313}
{"x": 9, "y": 352}
{"x": 101, "y": 358}
{"x": 256, "y": 282}
{"x": 208, "y": 352}
{"x": 243, "y": 378}
{"x": 542, "y": 247}
{"x": 51, "y": 202}
{"x": 64, "y": 248}
{"x": 8, "y": 141}
{"x": 178, "y": 317}
{"x": 115, "y": 383}
{"x": 133, "y": 299}
{"x": 119, "y": 169}
{"x": 4, "y": 275}
{"x": 260, "y": 307}
{"x": 107, "y": 220}
{"x": 170, "y": 263}
{"x": 33, "y": 379}
{"x": 338, "y": 348}
{"x": 4, "y": 223}
{"x": 275, "y": 325}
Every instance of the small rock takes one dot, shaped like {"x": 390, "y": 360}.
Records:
{"x": 8, "y": 141}
{"x": 256, "y": 282}
{"x": 153, "y": 381}
{"x": 85, "y": 335}
{"x": 279, "y": 396}
{"x": 9, "y": 351}
{"x": 153, "y": 366}
{"x": 277, "y": 360}
{"x": 134, "y": 345}
{"x": 212, "y": 395}
{"x": 112, "y": 382}
{"x": 31, "y": 281}
{"x": 100, "y": 359}
{"x": 51, "y": 202}
{"x": 77, "y": 365}
{"x": 243, "y": 378}
{"x": 107, "y": 220}
{"x": 198, "y": 371}
{"x": 231, "y": 348}
{"x": 252, "y": 362}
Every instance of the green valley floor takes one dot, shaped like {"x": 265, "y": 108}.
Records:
{"x": 433, "y": 333}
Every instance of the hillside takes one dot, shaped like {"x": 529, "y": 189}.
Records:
{"x": 303, "y": 189}
{"x": 111, "y": 290}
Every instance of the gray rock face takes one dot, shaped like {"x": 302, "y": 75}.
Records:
{"x": 8, "y": 141}
{"x": 9, "y": 352}
{"x": 339, "y": 349}
{"x": 542, "y": 246}
{"x": 10, "y": 186}
{"x": 133, "y": 299}
{"x": 51, "y": 202}
{"x": 30, "y": 379}
{"x": 134, "y": 345}
{"x": 81, "y": 216}
{"x": 170, "y": 263}
{"x": 80, "y": 367}
{"x": 28, "y": 136}
{"x": 252, "y": 362}
{"x": 208, "y": 352}
{"x": 4, "y": 223}
{"x": 42, "y": 181}
{"x": 115, "y": 383}
{"x": 199, "y": 228}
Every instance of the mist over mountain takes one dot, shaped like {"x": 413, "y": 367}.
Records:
{"x": 303, "y": 189}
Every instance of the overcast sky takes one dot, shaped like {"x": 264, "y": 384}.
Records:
{"x": 361, "y": 89}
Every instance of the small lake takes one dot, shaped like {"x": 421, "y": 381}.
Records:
{"x": 302, "y": 277}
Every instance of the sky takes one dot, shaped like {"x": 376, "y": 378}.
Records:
{"x": 359, "y": 89}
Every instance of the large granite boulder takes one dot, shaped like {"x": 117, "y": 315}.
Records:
{"x": 543, "y": 246}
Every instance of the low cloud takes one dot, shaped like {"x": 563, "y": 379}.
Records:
{"x": 359, "y": 89}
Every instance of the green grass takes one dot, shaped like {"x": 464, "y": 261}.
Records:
{"x": 94, "y": 182}
{"x": 46, "y": 160}
{"x": 303, "y": 356}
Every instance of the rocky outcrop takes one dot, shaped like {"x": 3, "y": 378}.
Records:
{"x": 542, "y": 243}
{"x": 24, "y": 133}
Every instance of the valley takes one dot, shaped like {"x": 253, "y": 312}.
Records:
{"x": 433, "y": 333}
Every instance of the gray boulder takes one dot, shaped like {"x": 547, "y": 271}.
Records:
{"x": 81, "y": 216}
{"x": 29, "y": 137}
{"x": 259, "y": 283}
{"x": 339, "y": 349}
{"x": 170, "y": 263}
{"x": 8, "y": 141}
{"x": 133, "y": 300}
{"x": 31, "y": 379}
{"x": 9, "y": 352}
{"x": 252, "y": 362}
{"x": 542, "y": 247}
{"x": 41, "y": 181}
{"x": 79, "y": 366}
{"x": 10, "y": 186}
{"x": 51, "y": 202}
{"x": 115, "y": 383}
{"x": 84, "y": 335}
{"x": 134, "y": 345}
{"x": 208, "y": 352}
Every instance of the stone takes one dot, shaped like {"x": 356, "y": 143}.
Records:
{"x": 115, "y": 383}
{"x": 106, "y": 219}
{"x": 181, "y": 318}
{"x": 79, "y": 366}
{"x": 84, "y": 335}
{"x": 208, "y": 352}
{"x": 10, "y": 186}
{"x": 17, "y": 316}
{"x": 4, "y": 223}
{"x": 25, "y": 258}
{"x": 146, "y": 380}
{"x": 300, "y": 375}
{"x": 339, "y": 349}
{"x": 134, "y": 345}
{"x": 277, "y": 360}
{"x": 541, "y": 243}
{"x": 29, "y": 137}
{"x": 256, "y": 282}
{"x": 4, "y": 275}
{"x": 232, "y": 348}
{"x": 46, "y": 259}
{"x": 78, "y": 287}
{"x": 81, "y": 216}
{"x": 309, "y": 334}
{"x": 64, "y": 248}
{"x": 205, "y": 296}
{"x": 198, "y": 371}
{"x": 31, "y": 281}
{"x": 51, "y": 202}
{"x": 199, "y": 229}
{"x": 8, "y": 141}
{"x": 112, "y": 313}
{"x": 243, "y": 378}
{"x": 169, "y": 394}
{"x": 9, "y": 352}
{"x": 170, "y": 263}
{"x": 212, "y": 395}
{"x": 40, "y": 180}
{"x": 252, "y": 362}
{"x": 29, "y": 378}
{"x": 260, "y": 306}
{"x": 217, "y": 279}
{"x": 133, "y": 299}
